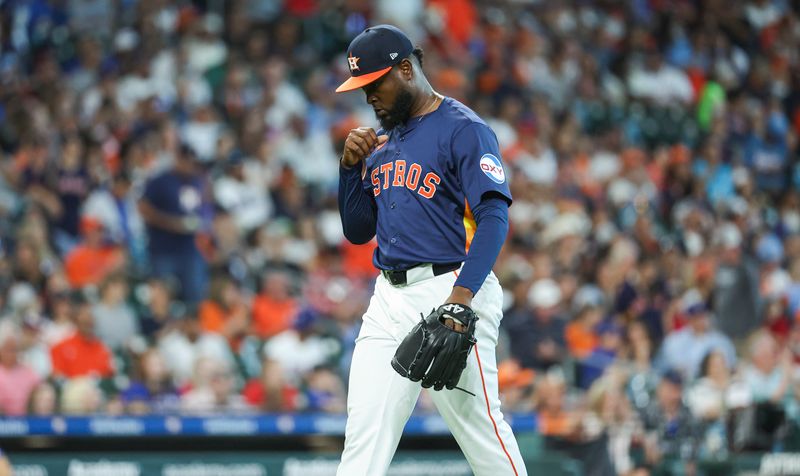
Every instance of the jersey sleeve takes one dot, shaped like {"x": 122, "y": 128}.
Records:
{"x": 478, "y": 163}
{"x": 357, "y": 207}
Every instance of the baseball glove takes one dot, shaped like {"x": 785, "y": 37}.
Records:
{"x": 434, "y": 353}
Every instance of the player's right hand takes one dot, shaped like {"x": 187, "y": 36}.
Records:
{"x": 359, "y": 144}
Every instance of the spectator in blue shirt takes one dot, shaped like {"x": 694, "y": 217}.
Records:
{"x": 176, "y": 209}
{"x": 153, "y": 391}
{"x": 766, "y": 150}
{"x": 603, "y": 356}
{"x": 684, "y": 349}
{"x": 717, "y": 174}
{"x": 115, "y": 206}
{"x": 537, "y": 330}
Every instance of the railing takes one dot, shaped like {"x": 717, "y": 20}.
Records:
{"x": 218, "y": 425}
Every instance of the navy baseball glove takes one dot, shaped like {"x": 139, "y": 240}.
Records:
{"x": 434, "y": 353}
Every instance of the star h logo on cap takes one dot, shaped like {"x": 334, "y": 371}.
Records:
{"x": 353, "y": 61}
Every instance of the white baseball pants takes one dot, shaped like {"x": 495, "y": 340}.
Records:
{"x": 380, "y": 401}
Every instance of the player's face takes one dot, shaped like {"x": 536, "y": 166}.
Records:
{"x": 391, "y": 97}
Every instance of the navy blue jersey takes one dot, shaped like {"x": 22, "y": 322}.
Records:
{"x": 179, "y": 196}
{"x": 425, "y": 179}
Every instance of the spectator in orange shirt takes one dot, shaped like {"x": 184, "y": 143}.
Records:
{"x": 82, "y": 354}
{"x": 91, "y": 261}
{"x": 570, "y": 428}
{"x": 554, "y": 418}
{"x": 460, "y": 17}
{"x": 358, "y": 260}
{"x": 274, "y": 307}
{"x": 225, "y": 312}
{"x": 516, "y": 384}
{"x": 580, "y": 333}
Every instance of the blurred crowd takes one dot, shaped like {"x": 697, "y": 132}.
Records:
{"x": 170, "y": 241}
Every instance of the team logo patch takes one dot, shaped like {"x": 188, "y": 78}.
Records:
{"x": 491, "y": 166}
{"x": 189, "y": 198}
{"x": 353, "y": 62}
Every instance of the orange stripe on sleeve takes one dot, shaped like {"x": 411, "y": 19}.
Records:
{"x": 469, "y": 226}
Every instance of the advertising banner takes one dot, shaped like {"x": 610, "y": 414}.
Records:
{"x": 231, "y": 464}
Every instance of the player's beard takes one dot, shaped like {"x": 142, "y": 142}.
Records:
{"x": 400, "y": 111}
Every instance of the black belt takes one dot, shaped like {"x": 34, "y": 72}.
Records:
{"x": 398, "y": 277}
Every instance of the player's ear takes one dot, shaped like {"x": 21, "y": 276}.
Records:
{"x": 406, "y": 69}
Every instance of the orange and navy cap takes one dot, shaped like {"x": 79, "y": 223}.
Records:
{"x": 373, "y": 53}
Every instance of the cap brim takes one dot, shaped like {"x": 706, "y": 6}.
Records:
{"x": 356, "y": 82}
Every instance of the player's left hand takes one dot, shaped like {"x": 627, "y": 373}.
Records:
{"x": 459, "y": 295}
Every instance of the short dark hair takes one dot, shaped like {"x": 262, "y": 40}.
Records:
{"x": 186, "y": 151}
{"x": 418, "y": 53}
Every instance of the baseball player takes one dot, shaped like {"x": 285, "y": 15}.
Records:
{"x": 430, "y": 185}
